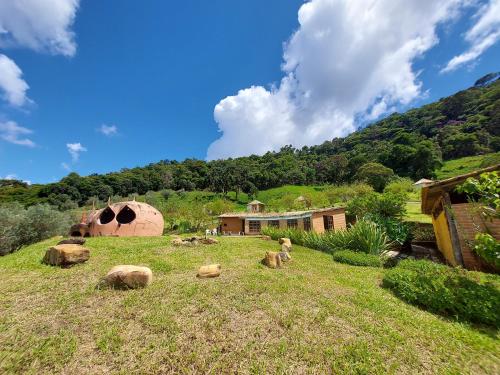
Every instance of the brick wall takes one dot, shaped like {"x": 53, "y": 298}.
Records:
{"x": 469, "y": 223}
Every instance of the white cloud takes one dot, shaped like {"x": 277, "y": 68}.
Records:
{"x": 108, "y": 130}
{"x": 13, "y": 176}
{"x": 39, "y": 25}
{"x": 481, "y": 36}
{"x": 11, "y": 83}
{"x": 348, "y": 59}
{"x": 75, "y": 149}
{"x": 13, "y": 133}
{"x": 65, "y": 166}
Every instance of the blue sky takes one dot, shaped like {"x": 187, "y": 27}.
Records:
{"x": 116, "y": 84}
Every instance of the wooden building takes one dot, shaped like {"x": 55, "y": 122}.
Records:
{"x": 252, "y": 222}
{"x": 456, "y": 221}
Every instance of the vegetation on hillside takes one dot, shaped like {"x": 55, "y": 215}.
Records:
{"x": 412, "y": 144}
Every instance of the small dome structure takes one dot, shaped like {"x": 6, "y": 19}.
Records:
{"x": 125, "y": 219}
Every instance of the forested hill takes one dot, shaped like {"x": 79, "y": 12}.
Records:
{"x": 412, "y": 144}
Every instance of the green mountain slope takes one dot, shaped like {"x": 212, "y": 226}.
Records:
{"x": 412, "y": 144}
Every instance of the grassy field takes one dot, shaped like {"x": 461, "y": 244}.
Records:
{"x": 414, "y": 213}
{"x": 465, "y": 165}
{"x": 311, "y": 316}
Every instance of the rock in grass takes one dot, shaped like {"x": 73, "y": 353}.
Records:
{"x": 272, "y": 259}
{"x": 177, "y": 241}
{"x": 266, "y": 238}
{"x": 66, "y": 255}
{"x": 211, "y": 270}
{"x": 72, "y": 240}
{"x": 209, "y": 241}
{"x": 285, "y": 256}
{"x": 286, "y": 244}
{"x": 128, "y": 277}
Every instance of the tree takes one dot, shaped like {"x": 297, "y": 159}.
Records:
{"x": 375, "y": 174}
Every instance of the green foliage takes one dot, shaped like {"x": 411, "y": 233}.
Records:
{"x": 488, "y": 248}
{"x": 397, "y": 231}
{"x": 219, "y": 206}
{"x": 344, "y": 193}
{"x": 20, "y": 226}
{"x": 422, "y": 232}
{"x": 411, "y": 144}
{"x": 388, "y": 205}
{"x": 454, "y": 292}
{"x": 364, "y": 236}
{"x": 357, "y": 259}
{"x": 400, "y": 185}
{"x": 467, "y": 164}
{"x": 375, "y": 174}
{"x": 487, "y": 189}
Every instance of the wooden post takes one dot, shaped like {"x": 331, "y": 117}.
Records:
{"x": 455, "y": 240}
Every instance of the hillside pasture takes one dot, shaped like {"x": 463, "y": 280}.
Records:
{"x": 311, "y": 316}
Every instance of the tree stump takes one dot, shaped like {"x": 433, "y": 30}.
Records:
{"x": 66, "y": 255}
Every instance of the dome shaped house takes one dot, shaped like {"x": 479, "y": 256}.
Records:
{"x": 123, "y": 219}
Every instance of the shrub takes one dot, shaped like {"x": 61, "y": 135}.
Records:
{"x": 400, "y": 185}
{"x": 465, "y": 295}
{"x": 364, "y": 237}
{"x": 390, "y": 205}
{"x": 344, "y": 193}
{"x": 422, "y": 232}
{"x": 398, "y": 231}
{"x": 20, "y": 227}
{"x": 357, "y": 259}
{"x": 488, "y": 248}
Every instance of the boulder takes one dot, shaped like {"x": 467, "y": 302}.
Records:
{"x": 176, "y": 241}
{"x": 286, "y": 244}
{"x": 209, "y": 241}
{"x": 211, "y": 270}
{"x": 266, "y": 238}
{"x": 128, "y": 277}
{"x": 66, "y": 255}
{"x": 272, "y": 259}
{"x": 285, "y": 256}
{"x": 72, "y": 240}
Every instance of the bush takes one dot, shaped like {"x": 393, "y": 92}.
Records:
{"x": 20, "y": 226}
{"x": 400, "y": 185}
{"x": 488, "y": 248}
{"x": 357, "y": 259}
{"x": 364, "y": 236}
{"x": 390, "y": 205}
{"x": 398, "y": 231}
{"x": 465, "y": 295}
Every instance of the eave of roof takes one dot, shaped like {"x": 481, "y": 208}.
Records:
{"x": 282, "y": 215}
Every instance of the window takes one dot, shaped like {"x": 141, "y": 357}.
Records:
{"x": 107, "y": 216}
{"x": 328, "y": 222}
{"x": 254, "y": 226}
{"x": 274, "y": 223}
{"x": 307, "y": 223}
{"x": 126, "y": 215}
{"x": 292, "y": 223}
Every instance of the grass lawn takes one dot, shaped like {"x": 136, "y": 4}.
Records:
{"x": 311, "y": 316}
{"x": 414, "y": 213}
{"x": 465, "y": 165}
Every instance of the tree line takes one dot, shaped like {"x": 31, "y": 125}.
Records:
{"x": 412, "y": 144}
